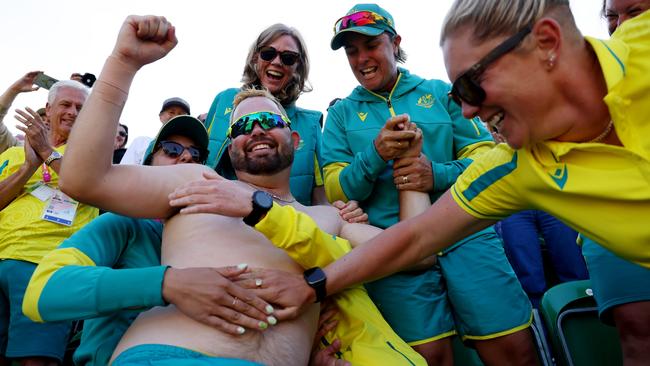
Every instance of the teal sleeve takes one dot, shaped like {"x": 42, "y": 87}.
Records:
{"x": 470, "y": 136}
{"x": 357, "y": 179}
{"x": 126, "y": 271}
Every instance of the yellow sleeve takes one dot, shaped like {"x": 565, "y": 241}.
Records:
{"x": 299, "y": 235}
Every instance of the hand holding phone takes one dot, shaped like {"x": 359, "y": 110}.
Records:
{"x": 44, "y": 81}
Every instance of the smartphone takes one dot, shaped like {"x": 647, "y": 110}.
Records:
{"x": 44, "y": 81}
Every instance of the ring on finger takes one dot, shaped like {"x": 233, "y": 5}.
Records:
{"x": 405, "y": 179}
{"x": 258, "y": 282}
{"x": 234, "y": 301}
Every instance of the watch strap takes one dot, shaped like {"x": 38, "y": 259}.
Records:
{"x": 55, "y": 155}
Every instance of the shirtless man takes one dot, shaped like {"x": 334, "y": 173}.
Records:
{"x": 198, "y": 239}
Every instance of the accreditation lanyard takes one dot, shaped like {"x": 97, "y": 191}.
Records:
{"x": 47, "y": 177}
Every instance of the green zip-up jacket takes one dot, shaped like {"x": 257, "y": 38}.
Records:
{"x": 306, "y": 171}
{"x": 111, "y": 264}
{"x": 355, "y": 171}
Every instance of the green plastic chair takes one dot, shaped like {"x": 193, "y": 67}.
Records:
{"x": 578, "y": 336}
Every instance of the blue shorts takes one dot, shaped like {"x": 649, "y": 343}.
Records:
{"x": 615, "y": 281}
{"x": 472, "y": 290}
{"x": 19, "y": 336}
{"x": 165, "y": 355}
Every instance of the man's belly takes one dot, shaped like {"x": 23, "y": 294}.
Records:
{"x": 210, "y": 241}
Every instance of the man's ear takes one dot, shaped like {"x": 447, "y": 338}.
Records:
{"x": 295, "y": 136}
{"x": 47, "y": 110}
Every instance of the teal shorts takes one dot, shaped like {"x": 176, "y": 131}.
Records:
{"x": 615, "y": 281}
{"x": 472, "y": 291}
{"x": 19, "y": 336}
{"x": 165, "y": 355}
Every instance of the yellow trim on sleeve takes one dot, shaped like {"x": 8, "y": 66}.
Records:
{"x": 318, "y": 176}
{"x": 333, "y": 188}
{"x": 473, "y": 149}
{"x": 50, "y": 264}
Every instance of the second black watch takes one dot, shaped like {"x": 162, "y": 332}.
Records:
{"x": 317, "y": 280}
{"x": 262, "y": 203}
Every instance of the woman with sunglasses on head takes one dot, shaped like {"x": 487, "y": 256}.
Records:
{"x": 278, "y": 61}
{"x": 363, "y": 140}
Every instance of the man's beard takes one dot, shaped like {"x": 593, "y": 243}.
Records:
{"x": 265, "y": 165}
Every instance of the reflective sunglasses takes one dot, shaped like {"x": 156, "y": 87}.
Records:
{"x": 359, "y": 19}
{"x": 467, "y": 88}
{"x": 267, "y": 120}
{"x": 288, "y": 58}
{"x": 174, "y": 150}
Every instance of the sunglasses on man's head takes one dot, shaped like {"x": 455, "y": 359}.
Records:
{"x": 288, "y": 58}
{"x": 467, "y": 87}
{"x": 174, "y": 150}
{"x": 359, "y": 19}
{"x": 267, "y": 120}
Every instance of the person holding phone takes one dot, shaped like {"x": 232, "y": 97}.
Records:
{"x": 23, "y": 85}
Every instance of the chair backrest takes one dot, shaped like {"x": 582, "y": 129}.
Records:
{"x": 578, "y": 336}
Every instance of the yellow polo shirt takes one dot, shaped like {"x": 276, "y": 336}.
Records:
{"x": 24, "y": 235}
{"x": 603, "y": 191}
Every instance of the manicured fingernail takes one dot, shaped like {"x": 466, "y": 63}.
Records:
{"x": 241, "y": 330}
{"x": 269, "y": 309}
{"x": 262, "y": 325}
{"x": 258, "y": 282}
{"x": 272, "y": 320}
{"x": 242, "y": 266}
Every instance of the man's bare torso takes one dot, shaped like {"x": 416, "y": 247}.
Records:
{"x": 205, "y": 240}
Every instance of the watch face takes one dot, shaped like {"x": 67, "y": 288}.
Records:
{"x": 314, "y": 275}
{"x": 263, "y": 199}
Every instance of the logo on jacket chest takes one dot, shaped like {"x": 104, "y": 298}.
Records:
{"x": 426, "y": 101}
{"x": 227, "y": 110}
{"x": 362, "y": 116}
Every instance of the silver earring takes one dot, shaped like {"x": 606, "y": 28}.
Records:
{"x": 551, "y": 61}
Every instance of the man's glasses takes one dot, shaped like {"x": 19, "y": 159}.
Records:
{"x": 122, "y": 134}
{"x": 174, "y": 150}
{"x": 467, "y": 88}
{"x": 267, "y": 120}
{"x": 288, "y": 58}
{"x": 359, "y": 19}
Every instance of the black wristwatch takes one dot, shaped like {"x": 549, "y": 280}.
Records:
{"x": 317, "y": 279}
{"x": 262, "y": 203}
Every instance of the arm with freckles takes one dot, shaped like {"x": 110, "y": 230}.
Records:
{"x": 87, "y": 173}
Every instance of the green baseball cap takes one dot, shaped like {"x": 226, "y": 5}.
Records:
{"x": 367, "y": 19}
{"x": 184, "y": 125}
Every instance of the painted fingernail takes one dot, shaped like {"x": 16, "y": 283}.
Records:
{"x": 241, "y": 330}
{"x": 242, "y": 266}
{"x": 258, "y": 282}
{"x": 269, "y": 309}
{"x": 272, "y": 320}
{"x": 262, "y": 325}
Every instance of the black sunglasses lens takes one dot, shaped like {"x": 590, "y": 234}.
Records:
{"x": 268, "y": 54}
{"x": 172, "y": 149}
{"x": 288, "y": 58}
{"x": 196, "y": 154}
{"x": 468, "y": 91}
{"x": 123, "y": 134}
